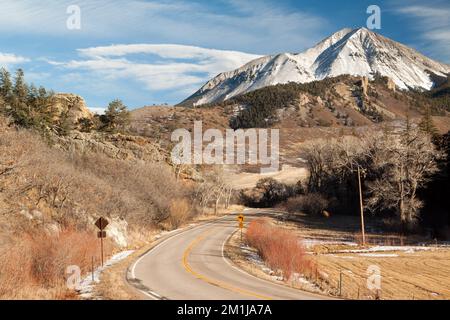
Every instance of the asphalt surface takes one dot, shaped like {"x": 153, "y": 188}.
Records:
{"x": 190, "y": 265}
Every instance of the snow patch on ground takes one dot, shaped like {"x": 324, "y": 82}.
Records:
{"x": 408, "y": 249}
{"x": 309, "y": 243}
{"x": 379, "y": 255}
{"x": 256, "y": 260}
{"x": 86, "y": 287}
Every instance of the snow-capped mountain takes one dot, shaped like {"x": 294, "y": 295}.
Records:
{"x": 358, "y": 52}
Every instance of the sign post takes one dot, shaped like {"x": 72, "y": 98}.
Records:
{"x": 241, "y": 223}
{"x": 361, "y": 206}
{"x": 101, "y": 224}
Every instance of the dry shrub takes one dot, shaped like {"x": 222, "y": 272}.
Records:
{"x": 312, "y": 203}
{"x": 67, "y": 189}
{"x": 34, "y": 267}
{"x": 73, "y": 187}
{"x": 267, "y": 193}
{"x": 280, "y": 249}
{"x": 180, "y": 212}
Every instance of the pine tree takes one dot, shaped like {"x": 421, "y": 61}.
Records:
{"x": 116, "y": 116}
{"x": 427, "y": 124}
{"x": 32, "y": 95}
{"x": 20, "y": 86}
{"x": 6, "y": 86}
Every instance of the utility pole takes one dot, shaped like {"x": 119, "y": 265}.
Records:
{"x": 361, "y": 208}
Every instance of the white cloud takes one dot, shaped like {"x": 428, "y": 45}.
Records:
{"x": 167, "y": 66}
{"x": 434, "y": 15}
{"x": 432, "y": 24}
{"x": 8, "y": 59}
{"x": 257, "y": 26}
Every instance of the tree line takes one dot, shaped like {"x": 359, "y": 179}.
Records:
{"x": 33, "y": 107}
{"x": 397, "y": 164}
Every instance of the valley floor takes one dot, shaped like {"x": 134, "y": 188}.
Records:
{"x": 409, "y": 268}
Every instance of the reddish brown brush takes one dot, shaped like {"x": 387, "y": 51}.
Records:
{"x": 35, "y": 266}
{"x": 280, "y": 249}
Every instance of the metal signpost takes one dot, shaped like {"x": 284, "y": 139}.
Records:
{"x": 241, "y": 223}
{"x": 101, "y": 224}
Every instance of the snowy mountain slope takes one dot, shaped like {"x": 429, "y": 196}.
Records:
{"x": 358, "y": 52}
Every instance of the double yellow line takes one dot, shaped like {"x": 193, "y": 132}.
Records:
{"x": 214, "y": 282}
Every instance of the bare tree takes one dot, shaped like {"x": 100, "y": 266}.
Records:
{"x": 213, "y": 189}
{"x": 401, "y": 163}
{"x": 396, "y": 164}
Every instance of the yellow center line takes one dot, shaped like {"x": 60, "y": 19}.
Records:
{"x": 220, "y": 284}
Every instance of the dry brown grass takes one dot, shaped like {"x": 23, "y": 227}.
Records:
{"x": 113, "y": 284}
{"x": 34, "y": 267}
{"x": 404, "y": 275}
{"x": 70, "y": 187}
{"x": 180, "y": 211}
{"x": 418, "y": 275}
{"x": 410, "y": 275}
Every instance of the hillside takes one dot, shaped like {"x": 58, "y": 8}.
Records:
{"x": 333, "y": 102}
{"x": 337, "y": 102}
{"x": 61, "y": 168}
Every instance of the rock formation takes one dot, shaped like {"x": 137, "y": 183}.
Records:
{"x": 365, "y": 85}
{"x": 72, "y": 106}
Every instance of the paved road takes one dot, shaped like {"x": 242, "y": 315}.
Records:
{"x": 190, "y": 265}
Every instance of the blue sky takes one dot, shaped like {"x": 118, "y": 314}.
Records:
{"x": 153, "y": 52}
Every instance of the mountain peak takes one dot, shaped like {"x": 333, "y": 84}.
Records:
{"x": 357, "y": 52}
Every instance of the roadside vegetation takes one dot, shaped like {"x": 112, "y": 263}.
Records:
{"x": 35, "y": 266}
{"x": 402, "y": 169}
{"x": 408, "y": 270}
{"x": 55, "y": 186}
{"x": 280, "y": 249}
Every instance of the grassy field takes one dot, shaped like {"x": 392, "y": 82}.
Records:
{"x": 407, "y": 271}
{"x": 404, "y": 275}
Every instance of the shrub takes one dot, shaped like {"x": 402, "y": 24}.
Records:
{"x": 312, "y": 203}
{"x": 179, "y": 212}
{"x": 280, "y": 249}
{"x": 267, "y": 193}
{"x": 34, "y": 266}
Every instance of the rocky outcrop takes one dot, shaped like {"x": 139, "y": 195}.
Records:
{"x": 72, "y": 106}
{"x": 365, "y": 86}
{"x": 391, "y": 84}
{"x": 116, "y": 146}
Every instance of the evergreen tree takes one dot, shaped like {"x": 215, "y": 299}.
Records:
{"x": 116, "y": 116}
{"x": 427, "y": 124}
{"x": 32, "y": 95}
{"x": 6, "y": 85}
{"x": 65, "y": 124}
{"x": 20, "y": 86}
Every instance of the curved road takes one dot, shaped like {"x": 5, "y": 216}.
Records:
{"x": 190, "y": 265}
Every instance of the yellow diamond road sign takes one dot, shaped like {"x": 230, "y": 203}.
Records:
{"x": 241, "y": 218}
